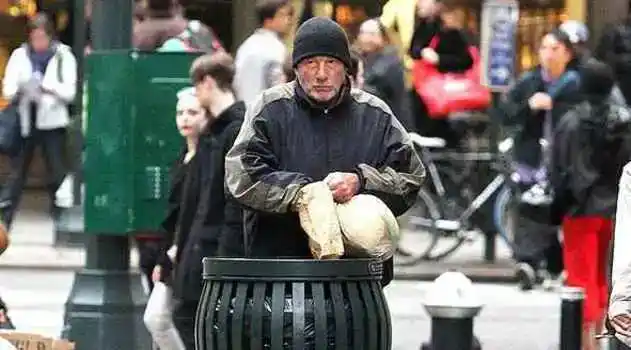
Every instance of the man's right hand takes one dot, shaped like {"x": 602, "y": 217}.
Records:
{"x": 540, "y": 101}
{"x": 622, "y": 324}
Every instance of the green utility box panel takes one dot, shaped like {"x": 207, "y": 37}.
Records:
{"x": 131, "y": 139}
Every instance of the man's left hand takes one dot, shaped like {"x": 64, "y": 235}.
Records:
{"x": 343, "y": 186}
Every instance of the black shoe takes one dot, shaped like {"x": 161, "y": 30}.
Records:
{"x": 526, "y": 276}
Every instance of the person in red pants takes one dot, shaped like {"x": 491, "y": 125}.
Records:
{"x": 591, "y": 146}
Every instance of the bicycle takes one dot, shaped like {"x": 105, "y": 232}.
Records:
{"x": 440, "y": 222}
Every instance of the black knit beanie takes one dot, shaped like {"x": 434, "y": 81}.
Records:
{"x": 320, "y": 36}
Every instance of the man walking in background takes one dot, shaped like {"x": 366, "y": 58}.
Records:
{"x": 259, "y": 60}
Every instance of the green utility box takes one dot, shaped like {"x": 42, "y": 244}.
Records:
{"x": 131, "y": 139}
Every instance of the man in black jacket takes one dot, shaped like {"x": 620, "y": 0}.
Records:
{"x": 300, "y": 132}
{"x": 216, "y": 227}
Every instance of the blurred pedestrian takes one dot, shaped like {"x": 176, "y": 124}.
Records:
{"x": 592, "y": 144}
{"x": 260, "y": 58}
{"x": 191, "y": 119}
{"x": 533, "y": 107}
{"x": 210, "y": 221}
{"x": 439, "y": 41}
{"x": 383, "y": 70}
{"x": 164, "y": 23}
{"x": 41, "y": 78}
{"x": 614, "y": 48}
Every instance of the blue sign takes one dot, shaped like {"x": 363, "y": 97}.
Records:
{"x": 499, "y": 46}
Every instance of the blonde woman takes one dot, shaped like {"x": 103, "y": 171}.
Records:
{"x": 191, "y": 119}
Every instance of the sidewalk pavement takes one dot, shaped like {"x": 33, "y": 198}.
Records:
{"x": 32, "y": 247}
{"x": 32, "y": 240}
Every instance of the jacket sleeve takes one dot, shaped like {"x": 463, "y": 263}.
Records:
{"x": 620, "y": 302}
{"x": 515, "y": 103}
{"x": 398, "y": 178}
{"x": 231, "y": 243}
{"x": 253, "y": 175}
{"x": 10, "y": 82}
{"x": 65, "y": 89}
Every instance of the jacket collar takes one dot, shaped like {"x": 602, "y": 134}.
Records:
{"x": 231, "y": 114}
{"x": 342, "y": 97}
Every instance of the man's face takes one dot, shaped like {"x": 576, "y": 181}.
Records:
{"x": 281, "y": 23}
{"x": 204, "y": 90}
{"x": 40, "y": 41}
{"x": 370, "y": 38}
{"x": 321, "y": 77}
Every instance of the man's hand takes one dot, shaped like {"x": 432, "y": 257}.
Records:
{"x": 540, "y": 101}
{"x": 622, "y": 324}
{"x": 343, "y": 185}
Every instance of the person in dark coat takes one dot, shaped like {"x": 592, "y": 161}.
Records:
{"x": 443, "y": 44}
{"x": 533, "y": 108}
{"x": 209, "y": 221}
{"x": 383, "y": 69}
{"x": 614, "y": 48}
{"x": 592, "y": 144}
{"x": 301, "y": 132}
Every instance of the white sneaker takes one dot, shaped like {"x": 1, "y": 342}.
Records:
{"x": 538, "y": 194}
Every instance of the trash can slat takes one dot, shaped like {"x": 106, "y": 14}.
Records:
{"x": 238, "y": 315}
{"x": 319, "y": 315}
{"x": 339, "y": 315}
{"x": 371, "y": 316}
{"x": 200, "y": 314}
{"x": 384, "y": 314}
{"x": 258, "y": 302}
{"x": 278, "y": 314}
{"x": 210, "y": 314}
{"x": 223, "y": 331}
{"x": 298, "y": 298}
{"x": 358, "y": 316}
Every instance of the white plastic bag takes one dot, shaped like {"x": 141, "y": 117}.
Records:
{"x": 369, "y": 228}
{"x": 158, "y": 318}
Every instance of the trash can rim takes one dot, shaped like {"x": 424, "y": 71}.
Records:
{"x": 291, "y": 269}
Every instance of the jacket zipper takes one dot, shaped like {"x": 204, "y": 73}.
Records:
{"x": 326, "y": 138}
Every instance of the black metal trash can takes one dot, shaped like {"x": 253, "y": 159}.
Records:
{"x": 256, "y": 304}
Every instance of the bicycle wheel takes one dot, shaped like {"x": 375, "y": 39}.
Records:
{"x": 504, "y": 216}
{"x": 416, "y": 240}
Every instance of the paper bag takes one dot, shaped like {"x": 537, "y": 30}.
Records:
{"x": 318, "y": 219}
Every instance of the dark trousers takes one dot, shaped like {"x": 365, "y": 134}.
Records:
{"x": 53, "y": 145}
{"x": 184, "y": 320}
{"x": 536, "y": 240}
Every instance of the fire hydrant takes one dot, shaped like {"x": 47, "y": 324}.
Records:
{"x": 452, "y": 304}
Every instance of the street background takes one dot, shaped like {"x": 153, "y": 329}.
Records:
{"x": 35, "y": 278}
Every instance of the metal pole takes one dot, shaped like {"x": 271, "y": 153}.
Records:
{"x": 494, "y": 132}
{"x": 105, "y": 306}
{"x": 571, "y": 318}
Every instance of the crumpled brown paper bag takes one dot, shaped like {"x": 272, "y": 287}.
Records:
{"x": 318, "y": 218}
